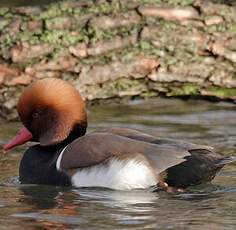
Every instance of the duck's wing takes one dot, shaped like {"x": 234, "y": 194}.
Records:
{"x": 98, "y": 147}
{"x": 201, "y": 166}
{"x": 140, "y": 136}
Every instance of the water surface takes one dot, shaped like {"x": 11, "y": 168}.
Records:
{"x": 211, "y": 206}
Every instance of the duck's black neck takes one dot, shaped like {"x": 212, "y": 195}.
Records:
{"x": 38, "y": 165}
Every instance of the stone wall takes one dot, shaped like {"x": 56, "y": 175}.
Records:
{"x": 119, "y": 48}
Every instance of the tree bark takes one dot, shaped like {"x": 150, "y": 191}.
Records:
{"x": 116, "y": 48}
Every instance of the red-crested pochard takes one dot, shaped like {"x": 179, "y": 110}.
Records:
{"x": 54, "y": 114}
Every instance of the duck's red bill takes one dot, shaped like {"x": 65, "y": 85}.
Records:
{"x": 21, "y": 137}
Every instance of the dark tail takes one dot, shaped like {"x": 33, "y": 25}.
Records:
{"x": 226, "y": 160}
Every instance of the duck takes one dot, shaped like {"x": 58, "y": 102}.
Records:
{"x": 53, "y": 115}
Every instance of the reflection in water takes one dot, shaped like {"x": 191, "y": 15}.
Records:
{"x": 88, "y": 208}
{"x": 211, "y": 206}
{"x": 42, "y": 197}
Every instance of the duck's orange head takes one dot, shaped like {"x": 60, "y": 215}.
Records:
{"x": 51, "y": 111}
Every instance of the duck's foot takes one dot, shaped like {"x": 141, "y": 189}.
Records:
{"x": 169, "y": 189}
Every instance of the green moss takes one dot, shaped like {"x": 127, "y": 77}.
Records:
{"x": 107, "y": 7}
{"x": 51, "y": 12}
{"x": 185, "y": 89}
{"x": 78, "y": 11}
{"x": 94, "y": 34}
{"x": 9, "y": 15}
{"x": 53, "y": 36}
{"x": 52, "y": 22}
{"x": 27, "y": 37}
{"x": 190, "y": 89}
{"x": 3, "y": 23}
{"x": 66, "y": 7}
{"x": 167, "y": 25}
{"x": 62, "y": 37}
{"x": 8, "y": 40}
{"x": 222, "y": 92}
{"x": 232, "y": 28}
{"x": 125, "y": 54}
{"x": 160, "y": 22}
{"x": 121, "y": 87}
{"x": 3, "y": 11}
{"x": 149, "y": 94}
{"x": 223, "y": 28}
{"x": 28, "y": 62}
{"x": 144, "y": 45}
{"x": 125, "y": 84}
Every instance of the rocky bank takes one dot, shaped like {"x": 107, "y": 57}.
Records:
{"x": 118, "y": 48}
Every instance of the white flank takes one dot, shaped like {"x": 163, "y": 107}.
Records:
{"x": 116, "y": 174}
{"x": 58, "y": 164}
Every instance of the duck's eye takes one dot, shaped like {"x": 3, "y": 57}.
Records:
{"x": 35, "y": 115}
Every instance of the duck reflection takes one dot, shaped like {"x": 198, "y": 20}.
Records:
{"x": 65, "y": 207}
{"x": 50, "y": 206}
{"x": 42, "y": 197}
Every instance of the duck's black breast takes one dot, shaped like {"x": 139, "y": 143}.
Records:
{"x": 38, "y": 166}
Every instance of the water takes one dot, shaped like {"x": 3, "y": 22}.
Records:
{"x": 211, "y": 206}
